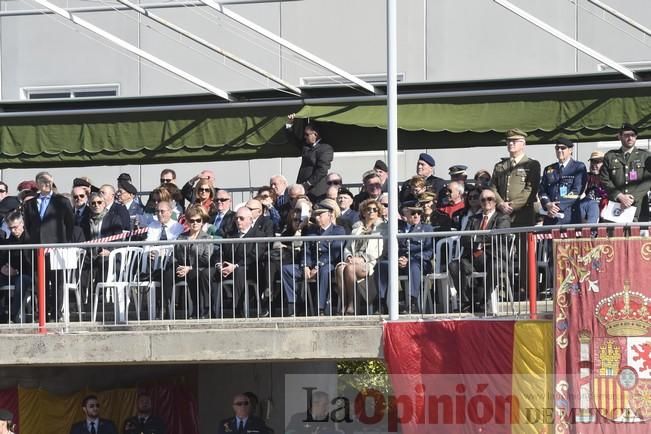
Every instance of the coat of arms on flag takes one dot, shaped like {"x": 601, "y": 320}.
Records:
{"x": 603, "y": 335}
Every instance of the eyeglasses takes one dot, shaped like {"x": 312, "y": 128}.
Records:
{"x": 448, "y": 192}
{"x": 240, "y": 217}
{"x": 561, "y": 148}
{"x": 254, "y": 209}
{"x": 473, "y": 197}
{"x": 92, "y": 405}
{"x": 413, "y": 213}
{"x": 334, "y": 182}
{"x": 166, "y": 180}
{"x": 374, "y": 185}
{"x": 372, "y": 209}
{"x": 265, "y": 196}
{"x": 195, "y": 220}
{"x": 487, "y": 199}
{"x": 160, "y": 211}
{"x": 97, "y": 202}
{"x": 222, "y": 199}
{"x": 241, "y": 403}
{"x": 77, "y": 196}
{"x": 204, "y": 189}
{"x": 3, "y": 191}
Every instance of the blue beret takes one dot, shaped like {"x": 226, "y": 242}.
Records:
{"x": 427, "y": 158}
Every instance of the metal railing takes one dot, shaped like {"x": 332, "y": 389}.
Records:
{"x": 471, "y": 274}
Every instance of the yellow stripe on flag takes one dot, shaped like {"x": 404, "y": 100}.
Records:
{"x": 532, "y": 386}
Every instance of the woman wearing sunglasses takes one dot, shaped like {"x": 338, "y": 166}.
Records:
{"x": 191, "y": 265}
{"x": 204, "y": 196}
{"x": 360, "y": 257}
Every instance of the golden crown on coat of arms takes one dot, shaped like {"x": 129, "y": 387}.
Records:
{"x": 625, "y": 313}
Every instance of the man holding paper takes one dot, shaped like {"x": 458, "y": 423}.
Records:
{"x": 626, "y": 174}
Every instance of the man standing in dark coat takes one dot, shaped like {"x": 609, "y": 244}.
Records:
{"x": 316, "y": 158}
{"x": 243, "y": 422}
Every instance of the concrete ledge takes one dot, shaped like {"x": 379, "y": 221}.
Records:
{"x": 273, "y": 342}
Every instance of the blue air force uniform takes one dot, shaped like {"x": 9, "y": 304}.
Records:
{"x": 563, "y": 185}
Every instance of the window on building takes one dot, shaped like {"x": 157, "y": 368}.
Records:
{"x": 67, "y": 92}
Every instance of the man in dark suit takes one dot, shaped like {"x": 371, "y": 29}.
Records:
{"x": 480, "y": 254}
{"x": 108, "y": 193}
{"x": 243, "y": 422}
{"x": 127, "y": 193}
{"x": 49, "y": 220}
{"x": 414, "y": 257}
{"x": 561, "y": 186}
{"x": 224, "y": 221}
{"x": 93, "y": 424}
{"x": 237, "y": 261}
{"x": 316, "y": 158}
{"x": 16, "y": 266}
{"x": 425, "y": 168}
{"x": 263, "y": 225}
{"x": 144, "y": 422}
{"x": 317, "y": 260}
{"x": 80, "y": 203}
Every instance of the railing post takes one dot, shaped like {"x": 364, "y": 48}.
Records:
{"x": 40, "y": 261}
{"x": 532, "y": 270}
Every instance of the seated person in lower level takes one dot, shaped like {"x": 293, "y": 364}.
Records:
{"x": 480, "y": 254}
{"x": 414, "y": 258}
{"x": 191, "y": 265}
{"x": 317, "y": 260}
{"x": 16, "y": 267}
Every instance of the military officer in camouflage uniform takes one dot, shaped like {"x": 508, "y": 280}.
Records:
{"x": 515, "y": 181}
{"x": 626, "y": 174}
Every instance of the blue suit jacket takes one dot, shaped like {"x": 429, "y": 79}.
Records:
{"x": 324, "y": 252}
{"x": 421, "y": 248}
{"x": 573, "y": 178}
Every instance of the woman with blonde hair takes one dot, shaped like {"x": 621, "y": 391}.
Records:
{"x": 360, "y": 255}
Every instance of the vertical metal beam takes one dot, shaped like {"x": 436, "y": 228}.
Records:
{"x": 209, "y": 45}
{"x": 285, "y": 43}
{"x": 127, "y": 46}
{"x": 392, "y": 144}
{"x": 614, "y": 12}
{"x": 563, "y": 37}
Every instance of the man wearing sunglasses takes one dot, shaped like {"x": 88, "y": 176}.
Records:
{"x": 93, "y": 424}
{"x": 243, "y": 421}
{"x": 479, "y": 254}
{"x": 316, "y": 158}
{"x": 561, "y": 186}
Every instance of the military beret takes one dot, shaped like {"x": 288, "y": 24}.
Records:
{"x": 6, "y": 414}
{"x": 27, "y": 185}
{"x": 381, "y": 165}
{"x": 516, "y": 133}
{"x": 597, "y": 155}
{"x": 323, "y": 207}
{"x": 427, "y": 158}
{"x": 346, "y": 192}
{"x": 368, "y": 175}
{"x": 426, "y": 197}
{"x": 564, "y": 141}
{"x": 80, "y": 182}
{"x": 128, "y": 187}
{"x": 627, "y": 127}
{"x": 459, "y": 169}
{"x": 124, "y": 177}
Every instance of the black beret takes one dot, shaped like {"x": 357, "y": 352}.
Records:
{"x": 79, "y": 182}
{"x": 628, "y": 127}
{"x": 564, "y": 141}
{"x": 379, "y": 164}
{"x": 128, "y": 187}
{"x": 6, "y": 414}
{"x": 346, "y": 192}
{"x": 124, "y": 177}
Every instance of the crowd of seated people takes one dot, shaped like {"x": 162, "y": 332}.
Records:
{"x": 318, "y": 277}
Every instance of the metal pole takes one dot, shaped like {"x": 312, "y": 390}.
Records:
{"x": 392, "y": 152}
{"x": 614, "y": 12}
{"x": 40, "y": 267}
{"x": 285, "y": 43}
{"x": 209, "y": 45}
{"x": 532, "y": 273}
{"x": 135, "y": 50}
{"x": 563, "y": 37}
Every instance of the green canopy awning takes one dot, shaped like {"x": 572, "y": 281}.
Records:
{"x": 482, "y": 120}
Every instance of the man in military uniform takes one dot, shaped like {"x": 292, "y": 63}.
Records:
{"x": 561, "y": 186}
{"x": 626, "y": 174}
{"x": 515, "y": 181}
{"x": 425, "y": 168}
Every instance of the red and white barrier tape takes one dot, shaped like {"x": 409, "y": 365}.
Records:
{"x": 108, "y": 239}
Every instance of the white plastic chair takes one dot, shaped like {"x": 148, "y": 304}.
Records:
{"x": 72, "y": 280}
{"x": 123, "y": 265}
{"x": 441, "y": 274}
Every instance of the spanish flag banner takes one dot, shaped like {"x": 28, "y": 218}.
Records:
{"x": 470, "y": 376}
{"x": 602, "y": 335}
{"x": 40, "y": 411}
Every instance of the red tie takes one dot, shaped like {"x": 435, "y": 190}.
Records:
{"x": 484, "y": 223}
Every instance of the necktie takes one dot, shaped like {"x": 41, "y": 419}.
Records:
{"x": 484, "y": 223}
{"x": 561, "y": 167}
{"x": 513, "y": 163}
{"x": 44, "y": 202}
{"x": 218, "y": 220}
{"x": 240, "y": 427}
{"x": 163, "y": 234}
{"x": 626, "y": 156}
{"x": 92, "y": 428}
